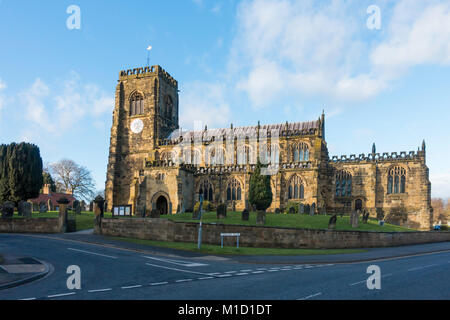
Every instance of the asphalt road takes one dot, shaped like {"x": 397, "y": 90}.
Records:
{"x": 113, "y": 273}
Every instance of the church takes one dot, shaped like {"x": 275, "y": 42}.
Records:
{"x": 153, "y": 164}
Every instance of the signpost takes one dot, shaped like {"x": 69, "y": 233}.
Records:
{"x": 200, "y": 225}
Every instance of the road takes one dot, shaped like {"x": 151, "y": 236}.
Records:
{"x": 114, "y": 273}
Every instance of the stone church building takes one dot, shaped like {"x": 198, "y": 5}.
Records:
{"x": 153, "y": 164}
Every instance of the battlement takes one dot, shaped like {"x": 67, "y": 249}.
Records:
{"x": 377, "y": 157}
{"x": 143, "y": 72}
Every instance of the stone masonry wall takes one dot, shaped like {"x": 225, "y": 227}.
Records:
{"x": 31, "y": 225}
{"x": 269, "y": 237}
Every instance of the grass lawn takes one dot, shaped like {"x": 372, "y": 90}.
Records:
{"x": 217, "y": 250}
{"x": 290, "y": 221}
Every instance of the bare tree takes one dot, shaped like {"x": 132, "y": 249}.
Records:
{"x": 73, "y": 178}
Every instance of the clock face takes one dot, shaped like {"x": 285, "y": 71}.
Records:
{"x": 137, "y": 126}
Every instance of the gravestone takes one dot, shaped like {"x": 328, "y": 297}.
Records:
{"x": 221, "y": 211}
{"x": 332, "y": 222}
{"x": 24, "y": 209}
{"x": 7, "y": 209}
{"x": 277, "y": 211}
{"x": 261, "y": 218}
{"x": 365, "y": 218}
{"x": 301, "y": 208}
{"x": 140, "y": 211}
{"x": 245, "y": 215}
{"x": 312, "y": 209}
{"x": 154, "y": 214}
{"x": 43, "y": 207}
{"x": 291, "y": 210}
{"x": 355, "y": 218}
{"x": 307, "y": 209}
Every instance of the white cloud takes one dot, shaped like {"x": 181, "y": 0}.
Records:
{"x": 57, "y": 108}
{"x": 295, "y": 48}
{"x": 204, "y": 102}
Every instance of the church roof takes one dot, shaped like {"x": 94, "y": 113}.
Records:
{"x": 208, "y": 134}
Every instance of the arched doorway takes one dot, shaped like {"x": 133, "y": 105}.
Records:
{"x": 162, "y": 205}
{"x": 358, "y": 204}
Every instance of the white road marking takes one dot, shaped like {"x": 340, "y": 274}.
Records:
{"x": 88, "y": 252}
{"x": 178, "y": 262}
{"x": 132, "y": 287}
{"x": 354, "y": 284}
{"x": 423, "y": 267}
{"x": 158, "y": 283}
{"x": 175, "y": 269}
{"x": 99, "y": 290}
{"x": 183, "y": 280}
{"x": 205, "y": 278}
{"x": 311, "y": 296}
{"x": 230, "y": 271}
{"x": 246, "y": 270}
{"x": 224, "y": 275}
{"x": 61, "y": 295}
{"x": 27, "y": 299}
{"x": 214, "y": 274}
{"x": 241, "y": 274}
{"x": 258, "y": 272}
{"x": 273, "y": 270}
{"x": 308, "y": 267}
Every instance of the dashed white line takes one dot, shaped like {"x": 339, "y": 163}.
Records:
{"x": 61, "y": 295}
{"x": 230, "y": 271}
{"x": 178, "y": 262}
{"x": 99, "y": 290}
{"x": 354, "y": 284}
{"x": 183, "y": 280}
{"x": 311, "y": 296}
{"x": 158, "y": 283}
{"x": 181, "y": 270}
{"x": 27, "y": 299}
{"x": 132, "y": 287}
{"x": 88, "y": 252}
{"x": 205, "y": 278}
{"x": 224, "y": 275}
{"x": 273, "y": 270}
{"x": 255, "y": 272}
{"x": 245, "y": 270}
{"x": 241, "y": 274}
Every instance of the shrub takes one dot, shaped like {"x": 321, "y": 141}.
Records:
{"x": 292, "y": 206}
{"x": 260, "y": 195}
{"x": 207, "y": 206}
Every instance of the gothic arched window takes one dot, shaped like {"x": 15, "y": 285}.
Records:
{"x": 300, "y": 152}
{"x": 397, "y": 180}
{"x": 196, "y": 158}
{"x": 343, "y": 184}
{"x": 136, "y": 104}
{"x": 206, "y": 189}
{"x": 243, "y": 154}
{"x": 296, "y": 189}
{"x": 234, "y": 190}
{"x": 168, "y": 107}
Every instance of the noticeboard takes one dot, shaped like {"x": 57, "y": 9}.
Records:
{"x": 122, "y": 211}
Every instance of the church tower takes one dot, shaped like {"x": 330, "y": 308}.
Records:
{"x": 146, "y": 111}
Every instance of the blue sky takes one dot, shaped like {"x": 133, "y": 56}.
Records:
{"x": 236, "y": 62}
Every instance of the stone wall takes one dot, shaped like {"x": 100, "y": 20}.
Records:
{"x": 268, "y": 237}
{"x": 31, "y": 225}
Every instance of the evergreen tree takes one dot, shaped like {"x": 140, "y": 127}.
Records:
{"x": 49, "y": 180}
{"x": 20, "y": 172}
{"x": 260, "y": 195}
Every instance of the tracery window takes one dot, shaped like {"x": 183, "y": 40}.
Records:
{"x": 136, "y": 104}
{"x": 397, "y": 180}
{"x": 234, "y": 190}
{"x": 300, "y": 152}
{"x": 343, "y": 184}
{"x": 296, "y": 189}
{"x": 243, "y": 154}
{"x": 206, "y": 189}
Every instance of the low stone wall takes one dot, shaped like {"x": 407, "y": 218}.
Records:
{"x": 268, "y": 237}
{"x": 31, "y": 225}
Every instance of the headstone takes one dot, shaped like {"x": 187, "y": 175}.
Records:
{"x": 312, "y": 210}
{"x": 7, "y": 209}
{"x": 365, "y": 216}
{"x": 24, "y": 209}
{"x": 222, "y": 211}
{"x": 43, "y": 207}
{"x": 277, "y": 211}
{"x": 332, "y": 222}
{"x": 291, "y": 210}
{"x": 154, "y": 214}
{"x": 245, "y": 215}
{"x": 354, "y": 218}
{"x": 234, "y": 206}
{"x": 140, "y": 211}
{"x": 261, "y": 218}
{"x": 301, "y": 208}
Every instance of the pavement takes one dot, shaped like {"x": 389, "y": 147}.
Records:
{"x": 17, "y": 270}
{"x": 112, "y": 269}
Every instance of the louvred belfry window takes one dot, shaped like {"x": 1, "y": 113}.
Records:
{"x": 136, "y": 104}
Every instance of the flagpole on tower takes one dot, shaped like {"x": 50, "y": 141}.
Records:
{"x": 148, "y": 55}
